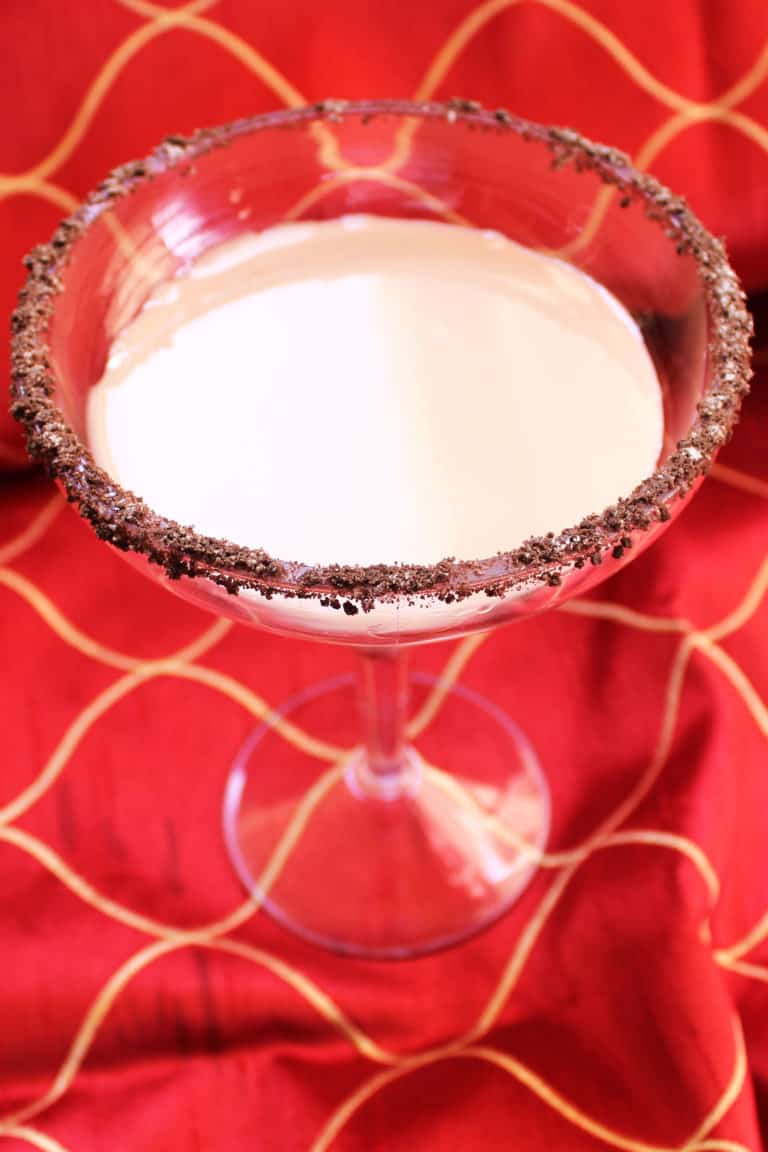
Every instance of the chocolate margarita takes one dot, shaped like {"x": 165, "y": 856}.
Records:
{"x": 382, "y": 431}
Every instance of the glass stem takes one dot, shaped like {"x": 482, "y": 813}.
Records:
{"x": 382, "y": 692}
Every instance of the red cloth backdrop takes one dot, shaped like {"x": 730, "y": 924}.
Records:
{"x": 624, "y": 1001}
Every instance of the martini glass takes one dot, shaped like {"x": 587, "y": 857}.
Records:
{"x": 431, "y": 810}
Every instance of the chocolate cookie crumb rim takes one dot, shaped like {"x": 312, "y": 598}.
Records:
{"x": 124, "y": 520}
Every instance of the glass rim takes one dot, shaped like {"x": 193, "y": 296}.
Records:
{"x": 124, "y": 520}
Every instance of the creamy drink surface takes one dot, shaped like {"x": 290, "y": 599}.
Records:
{"x": 368, "y": 390}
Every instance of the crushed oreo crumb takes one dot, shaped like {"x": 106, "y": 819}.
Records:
{"x": 125, "y": 521}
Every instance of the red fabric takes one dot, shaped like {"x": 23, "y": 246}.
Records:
{"x": 686, "y": 96}
{"x": 610, "y": 1006}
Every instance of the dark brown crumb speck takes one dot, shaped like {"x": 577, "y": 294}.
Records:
{"x": 126, "y": 522}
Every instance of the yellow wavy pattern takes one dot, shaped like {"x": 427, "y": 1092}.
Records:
{"x": 139, "y": 961}
{"x": 457, "y": 662}
{"x": 663, "y": 136}
{"x": 82, "y": 888}
{"x": 45, "y": 856}
{"x": 620, "y": 614}
{"x": 533, "y": 929}
{"x": 756, "y": 935}
{"x": 204, "y": 937}
{"x": 188, "y": 17}
{"x": 654, "y": 145}
{"x": 35, "y": 182}
{"x": 103, "y": 1002}
{"x": 172, "y": 939}
{"x": 376, "y": 175}
{"x": 701, "y": 640}
{"x": 531, "y": 932}
{"x": 544, "y": 1092}
{"x": 462, "y": 653}
{"x": 687, "y": 111}
{"x": 64, "y": 629}
{"x": 480, "y": 16}
{"x": 57, "y": 867}
{"x": 733, "y": 1089}
{"x": 740, "y": 681}
{"x": 178, "y": 666}
{"x": 535, "y": 925}
{"x": 43, "y": 189}
{"x": 152, "y": 11}
{"x": 530, "y": 854}
{"x": 718, "y": 1146}
{"x": 257, "y": 64}
{"x": 164, "y": 21}
{"x": 98, "y": 706}
{"x": 741, "y": 967}
{"x": 34, "y": 531}
{"x": 34, "y": 1137}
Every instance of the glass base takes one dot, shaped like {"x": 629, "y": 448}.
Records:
{"x": 394, "y": 867}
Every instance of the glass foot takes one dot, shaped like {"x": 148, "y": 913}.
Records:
{"x": 393, "y": 867}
